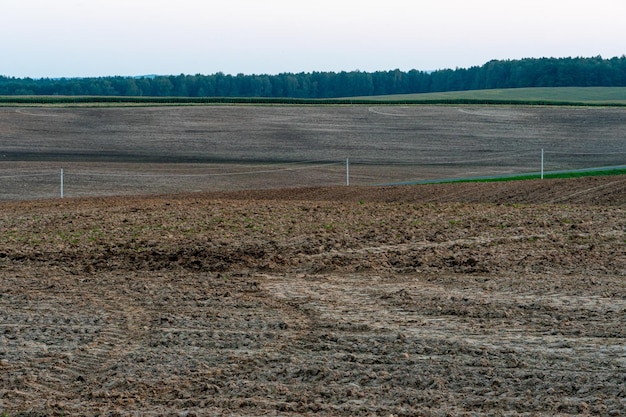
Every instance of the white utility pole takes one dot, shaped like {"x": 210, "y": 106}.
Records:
{"x": 61, "y": 182}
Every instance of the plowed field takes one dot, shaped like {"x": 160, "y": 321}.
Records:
{"x": 457, "y": 299}
{"x": 148, "y": 150}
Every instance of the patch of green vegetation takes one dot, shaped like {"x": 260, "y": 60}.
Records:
{"x": 96, "y": 234}
{"x": 250, "y": 224}
{"x": 69, "y": 237}
{"x": 537, "y": 95}
{"x": 560, "y": 175}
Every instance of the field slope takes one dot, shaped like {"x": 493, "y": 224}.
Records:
{"x": 156, "y": 149}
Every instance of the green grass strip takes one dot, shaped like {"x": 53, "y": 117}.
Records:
{"x": 555, "y": 175}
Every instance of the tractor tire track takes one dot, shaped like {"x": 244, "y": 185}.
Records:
{"x": 72, "y": 345}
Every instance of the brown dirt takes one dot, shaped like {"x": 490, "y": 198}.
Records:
{"x": 457, "y": 299}
{"x": 147, "y": 150}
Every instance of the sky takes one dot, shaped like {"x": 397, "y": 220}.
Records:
{"x": 92, "y": 38}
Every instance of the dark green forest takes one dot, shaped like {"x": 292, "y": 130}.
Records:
{"x": 529, "y": 72}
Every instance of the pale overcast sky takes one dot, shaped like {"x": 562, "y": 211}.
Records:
{"x": 79, "y": 38}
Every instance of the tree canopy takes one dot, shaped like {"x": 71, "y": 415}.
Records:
{"x": 529, "y": 72}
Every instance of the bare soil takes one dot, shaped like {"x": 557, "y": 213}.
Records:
{"x": 147, "y": 150}
{"x": 457, "y": 299}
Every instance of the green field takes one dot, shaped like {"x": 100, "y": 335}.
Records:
{"x": 547, "y": 175}
{"x": 565, "y": 96}
{"x": 588, "y": 95}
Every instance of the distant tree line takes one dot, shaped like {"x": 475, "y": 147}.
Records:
{"x": 530, "y": 72}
